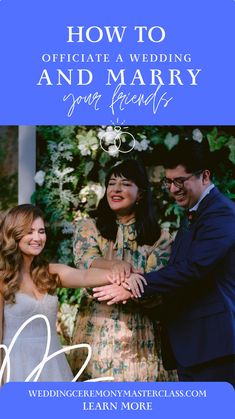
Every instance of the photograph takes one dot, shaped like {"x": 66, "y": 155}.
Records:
{"x": 135, "y": 230}
{"x": 117, "y": 209}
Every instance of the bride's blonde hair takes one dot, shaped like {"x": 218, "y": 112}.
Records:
{"x": 16, "y": 224}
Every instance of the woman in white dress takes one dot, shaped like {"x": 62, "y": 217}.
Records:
{"x": 27, "y": 294}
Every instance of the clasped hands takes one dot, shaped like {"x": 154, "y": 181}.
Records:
{"x": 125, "y": 284}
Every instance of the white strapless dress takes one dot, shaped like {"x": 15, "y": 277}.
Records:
{"x": 30, "y": 346}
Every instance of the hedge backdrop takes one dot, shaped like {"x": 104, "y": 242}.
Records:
{"x": 72, "y": 162}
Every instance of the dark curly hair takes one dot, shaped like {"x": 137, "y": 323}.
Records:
{"x": 147, "y": 226}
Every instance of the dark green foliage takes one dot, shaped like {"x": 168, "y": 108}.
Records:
{"x": 75, "y": 163}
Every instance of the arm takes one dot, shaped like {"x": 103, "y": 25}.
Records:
{"x": 158, "y": 256}
{"x": 78, "y": 278}
{"x": 116, "y": 293}
{"x": 86, "y": 247}
{"x": 214, "y": 239}
{"x": 112, "y": 293}
{"x": 119, "y": 268}
{"x": 87, "y": 251}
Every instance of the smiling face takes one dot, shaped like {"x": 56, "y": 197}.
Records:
{"x": 32, "y": 243}
{"x": 122, "y": 195}
{"x": 189, "y": 194}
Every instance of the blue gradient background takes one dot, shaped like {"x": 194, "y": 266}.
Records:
{"x": 219, "y": 403}
{"x": 205, "y": 29}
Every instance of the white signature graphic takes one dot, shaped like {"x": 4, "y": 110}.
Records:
{"x": 6, "y": 365}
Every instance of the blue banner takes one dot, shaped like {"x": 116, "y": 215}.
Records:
{"x": 157, "y": 62}
{"x": 92, "y": 63}
{"x": 122, "y": 400}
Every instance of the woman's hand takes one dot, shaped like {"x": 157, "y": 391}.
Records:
{"x": 135, "y": 284}
{"x": 113, "y": 294}
{"x": 120, "y": 271}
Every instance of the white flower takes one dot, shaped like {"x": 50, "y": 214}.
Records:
{"x": 84, "y": 150}
{"x": 94, "y": 147}
{"x": 98, "y": 189}
{"x": 144, "y": 144}
{"x": 108, "y": 135}
{"x": 39, "y": 177}
{"x": 137, "y": 145}
{"x": 197, "y": 135}
{"x": 91, "y": 193}
{"x": 113, "y": 150}
{"x": 100, "y": 134}
{"x": 81, "y": 147}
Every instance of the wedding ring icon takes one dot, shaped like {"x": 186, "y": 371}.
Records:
{"x": 116, "y": 141}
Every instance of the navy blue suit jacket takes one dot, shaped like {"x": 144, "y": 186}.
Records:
{"x": 198, "y": 287}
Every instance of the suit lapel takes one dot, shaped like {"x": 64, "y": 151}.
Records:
{"x": 184, "y": 235}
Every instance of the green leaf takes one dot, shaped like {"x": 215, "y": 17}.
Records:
{"x": 171, "y": 140}
{"x": 211, "y": 136}
{"x": 156, "y": 139}
{"x": 218, "y": 143}
{"x": 231, "y": 146}
{"x": 104, "y": 159}
{"x": 215, "y": 142}
{"x": 88, "y": 168}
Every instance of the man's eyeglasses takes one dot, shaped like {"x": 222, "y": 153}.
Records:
{"x": 178, "y": 182}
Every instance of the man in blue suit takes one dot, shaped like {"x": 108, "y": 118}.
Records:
{"x": 198, "y": 284}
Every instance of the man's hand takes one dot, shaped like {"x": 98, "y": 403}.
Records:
{"x": 113, "y": 294}
{"x": 135, "y": 284}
